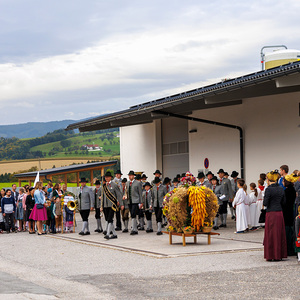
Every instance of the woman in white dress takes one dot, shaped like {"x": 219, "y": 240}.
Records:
{"x": 239, "y": 204}
{"x": 253, "y": 207}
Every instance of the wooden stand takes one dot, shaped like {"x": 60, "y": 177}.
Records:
{"x": 194, "y": 234}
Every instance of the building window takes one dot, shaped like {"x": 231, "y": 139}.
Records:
{"x": 176, "y": 148}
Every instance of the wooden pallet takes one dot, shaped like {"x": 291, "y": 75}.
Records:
{"x": 194, "y": 234}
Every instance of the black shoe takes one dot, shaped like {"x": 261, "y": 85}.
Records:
{"x": 98, "y": 230}
{"x": 159, "y": 233}
{"x": 117, "y": 229}
{"x": 233, "y": 217}
{"x": 215, "y": 227}
{"x": 113, "y": 237}
{"x": 81, "y": 233}
{"x": 149, "y": 230}
{"x": 106, "y": 237}
{"x": 104, "y": 232}
{"x": 141, "y": 228}
{"x": 125, "y": 230}
{"x": 223, "y": 225}
{"x": 133, "y": 232}
{"x": 87, "y": 233}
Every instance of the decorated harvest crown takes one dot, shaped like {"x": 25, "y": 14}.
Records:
{"x": 273, "y": 175}
{"x": 291, "y": 178}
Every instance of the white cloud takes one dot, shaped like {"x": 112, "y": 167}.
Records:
{"x": 170, "y": 50}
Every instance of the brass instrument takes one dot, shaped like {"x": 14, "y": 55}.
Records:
{"x": 71, "y": 205}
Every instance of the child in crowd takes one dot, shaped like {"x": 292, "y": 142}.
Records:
{"x": 2, "y": 224}
{"x": 146, "y": 200}
{"x": 297, "y": 233}
{"x": 20, "y": 211}
{"x": 253, "y": 207}
{"x": 239, "y": 204}
{"x": 58, "y": 214}
{"x": 69, "y": 219}
{"x": 8, "y": 207}
{"x": 247, "y": 205}
{"x": 52, "y": 217}
{"x": 260, "y": 199}
{"x": 29, "y": 207}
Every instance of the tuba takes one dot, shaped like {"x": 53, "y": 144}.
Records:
{"x": 71, "y": 205}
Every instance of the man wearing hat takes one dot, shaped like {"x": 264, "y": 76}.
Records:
{"x": 144, "y": 180}
{"x": 175, "y": 183}
{"x": 202, "y": 181}
{"x": 157, "y": 174}
{"x": 167, "y": 184}
{"x": 234, "y": 175}
{"x": 110, "y": 201}
{"x": 134, "y": 198}
{"x": 97, "y": 206}
{"x": 124, "y": 207}
{"x": 86, "y": 203}
{"x": 158, "y": 193}
{"x": 118, "y": 181}
{"x": 147, "y": 202}
{"x": 227, "y": 195}
{"x": 210, "y": 176}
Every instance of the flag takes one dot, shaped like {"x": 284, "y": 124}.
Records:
{"x": 37, "y": 178}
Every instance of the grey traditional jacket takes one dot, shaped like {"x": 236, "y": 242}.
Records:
{"x": 205, "y": 183}
{"x": 218, "y": 192}
{"x": 86, "y": 198}
{"x": 158, "y": 195}
{"x": 114, "y": 189}
{"x": 226, "y": 189}
{"x": 147, "y": 199}
{"x": 97, "y": 195}
{"x": 118, "y": 182}
{"x": 234, "y": 186}
{"x": 134, "y": 192}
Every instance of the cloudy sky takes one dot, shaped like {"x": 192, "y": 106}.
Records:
{"x": 73, "y": 59}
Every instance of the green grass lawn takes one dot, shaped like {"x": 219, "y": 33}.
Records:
{"x": 9, "y": 184}
{"x": 112, "y": 147}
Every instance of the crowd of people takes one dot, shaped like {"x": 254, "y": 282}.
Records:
{"x": 272, "y": 203}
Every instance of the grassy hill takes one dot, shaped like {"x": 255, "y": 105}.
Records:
{"x": 108, "y": 141}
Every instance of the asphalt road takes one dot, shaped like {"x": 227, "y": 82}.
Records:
{"x": 73, "y": 267}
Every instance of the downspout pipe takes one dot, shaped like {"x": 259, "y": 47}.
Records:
{"x": 240, "y": 129}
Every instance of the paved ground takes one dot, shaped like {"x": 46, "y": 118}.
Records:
{"x": 142, "y": 267}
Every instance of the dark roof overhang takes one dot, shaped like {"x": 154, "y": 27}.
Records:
{"x": 279, "y": 80}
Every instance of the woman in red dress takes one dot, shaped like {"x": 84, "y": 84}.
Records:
{"x": 275, "y": 238}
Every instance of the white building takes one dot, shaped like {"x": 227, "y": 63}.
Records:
{"x": 262, "y": 110}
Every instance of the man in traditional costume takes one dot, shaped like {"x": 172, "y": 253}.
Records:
{"x": 134, "y": 197}
{"x": 226, "y": 196}
{"x": 110, "y": 201}
{"x": 158, "y": 193}
{"x": 86, "y": 203}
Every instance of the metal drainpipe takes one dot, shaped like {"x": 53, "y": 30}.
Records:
{"x": 240, "y": 129}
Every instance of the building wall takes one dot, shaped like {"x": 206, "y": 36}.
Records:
{"x": 140, "y": 148}
{"x": 175, "y": 146}
{"x": 271, "y": 129}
